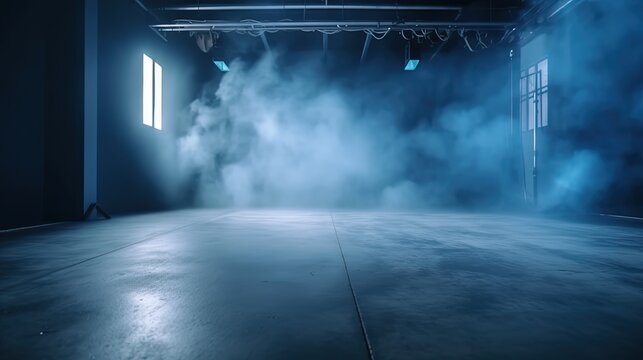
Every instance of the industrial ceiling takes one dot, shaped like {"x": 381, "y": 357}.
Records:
{"x": 476, "y": 24}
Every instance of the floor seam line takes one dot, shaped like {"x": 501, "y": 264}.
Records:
{"x": 362, "y": 324}
{"x": 30, "y": 227}
{"x": 147, "y": 238}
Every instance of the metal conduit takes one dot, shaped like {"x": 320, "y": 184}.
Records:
{"x": 328, "y": 25}
{"x": 310, "y": 7}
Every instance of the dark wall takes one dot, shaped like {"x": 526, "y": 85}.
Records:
{"x": 41, "y": 179}
{"x": 63, "y": 180}
{"x": 137, "y": 166}
{"x": 42, "y": 121}
{"x": 21, "y": 125}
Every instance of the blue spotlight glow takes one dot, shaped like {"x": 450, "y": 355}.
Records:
{"x": 411, "y": 64}
{"x": 221, "y": 65}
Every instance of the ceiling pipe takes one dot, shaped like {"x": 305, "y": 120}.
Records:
{"x": 264, "y": 40}
{"x": 325, "y": 45}
{"x": 329, "y": 25}
{"x": 311, "y": 7}
{"x": 145, "y": 8}
{"x": 367, "y": 44}
{"x": 562, "y": 5}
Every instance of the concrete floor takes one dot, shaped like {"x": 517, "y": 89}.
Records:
{"x": 272, "y": 285}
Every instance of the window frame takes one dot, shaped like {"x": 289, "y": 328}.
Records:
{"x": 530, "y": 91}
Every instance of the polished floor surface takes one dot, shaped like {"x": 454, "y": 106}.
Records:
{"x": 217, "y": 284}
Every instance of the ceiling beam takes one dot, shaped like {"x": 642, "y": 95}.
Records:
{"x": 145, "y": 8}
{"x": 213, "y": 7}
{"x": 329, "y": 25}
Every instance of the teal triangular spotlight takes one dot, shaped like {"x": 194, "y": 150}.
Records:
{"x": 411, "y": 65}
{"x": 221, "y": 65}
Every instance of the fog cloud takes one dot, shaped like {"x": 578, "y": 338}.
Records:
{"x": 594, "y": 155}
{"x": 269, "y": 136}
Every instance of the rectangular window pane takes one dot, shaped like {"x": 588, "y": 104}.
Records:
{"x": 544, "y": 70}
{"x": 158, "y": 96}
{"x": 531, "y": 113}
{"x": 543, "y": 67}
{"x": 523, "y": 114}
{"x": 523, "y": 100}
{"x": 147, "y": 90}
{"x": 545, "y": 109}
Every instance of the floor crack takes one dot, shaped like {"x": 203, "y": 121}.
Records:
{"x": 367, "y": 341}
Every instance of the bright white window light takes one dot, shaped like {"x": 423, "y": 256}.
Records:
{"x": 221, "y": 65}
{"x": 148, "y": 90}
{"x": 158, "y": 96}
{"x": 152, "y": 93}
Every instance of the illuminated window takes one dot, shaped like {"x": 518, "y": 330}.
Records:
{"x": 534, "y": 96}
{"x": 152, "y": 93}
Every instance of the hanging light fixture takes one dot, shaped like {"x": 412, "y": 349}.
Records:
{"x": 206, "y": 40}
{"x": 411, "y": 55}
